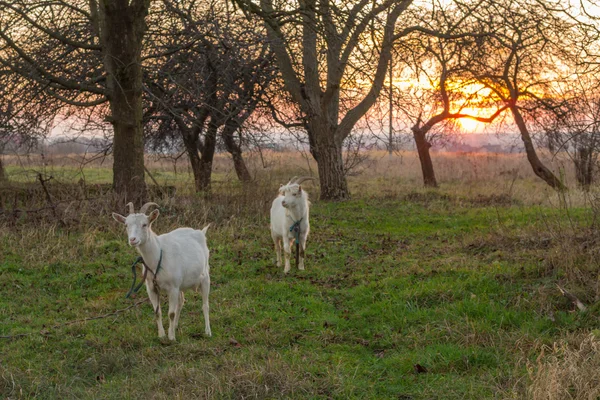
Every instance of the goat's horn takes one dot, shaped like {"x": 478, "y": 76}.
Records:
{"x": 303, "y": 178}
{"x": 145, "y": 207}
{"x": 131, "y": 210}
{"x": 292, "y": 179}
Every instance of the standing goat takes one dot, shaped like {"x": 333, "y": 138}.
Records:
{"x": 289, "y": 221}
{"x": 177, "y": 260}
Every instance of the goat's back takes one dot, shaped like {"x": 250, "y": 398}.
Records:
{"x": 187, "y": 254}
{"x": 184, "y": 235}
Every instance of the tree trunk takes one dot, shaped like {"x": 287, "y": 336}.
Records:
{"x": 236, "y": 154}
{"x": 423, "y": 147}
{"x": 122, "y": 30}
{"x": 3, "y": 177}
{"x": 330, "y": 161}
{"x": 538, "y": 167}
{"x": 191, "y": 147}
{"x": 201, "y": 156}
{"x": 590, "y": 168}
{"x": 207, "y": 156}
{"x": 583, "y": 167}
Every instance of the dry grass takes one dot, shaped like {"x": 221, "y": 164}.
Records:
{"x": 460, "y": 174}
{"x": 566, "y": 370}
{"x": 237, "y": 378}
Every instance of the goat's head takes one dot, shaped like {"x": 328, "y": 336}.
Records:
{"x": 137, "y": 224}
{"x": 292, "y": 195}
{"x": 292, "y": 192}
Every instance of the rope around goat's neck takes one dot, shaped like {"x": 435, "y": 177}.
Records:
{"x": 296, "y": 212}
{"x": 295, "y": 228}
{"x": 138, "y": 260}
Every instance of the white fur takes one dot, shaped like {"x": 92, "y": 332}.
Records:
{"x": 291, "y": 205}
{"x": 184, "y": 265}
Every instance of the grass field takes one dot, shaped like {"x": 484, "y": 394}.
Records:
{"x": 407, "y": 294}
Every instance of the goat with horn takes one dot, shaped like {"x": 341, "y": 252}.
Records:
{"x": 177, "y": 261}
{"x": 290, "y": 221}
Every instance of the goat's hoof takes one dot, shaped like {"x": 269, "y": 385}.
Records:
{"x": 301, "y": 267}
{"x": 164, "y": 341}
{"x": 208, "y": 333}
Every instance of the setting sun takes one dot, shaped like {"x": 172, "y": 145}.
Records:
{"x": 469, "y": 125}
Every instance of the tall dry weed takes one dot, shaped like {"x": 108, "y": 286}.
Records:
{"x": 567, "y": 370}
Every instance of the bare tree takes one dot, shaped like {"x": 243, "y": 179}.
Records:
{"x": 573, "y": 125}
{"x": 443, "y": 91}
{"x": 333, "y": 58}
{"x": 521, "y": 59}
{"x": 26, "y": 115}
{"x": 85, "y": 53}
{"x": 209, "y": 89}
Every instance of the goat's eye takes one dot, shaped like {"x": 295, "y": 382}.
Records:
{"x": 145, "y": 225}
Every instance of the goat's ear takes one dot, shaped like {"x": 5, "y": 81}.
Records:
{"x": 118, "y": 218}
{"x": 153, "y": 215}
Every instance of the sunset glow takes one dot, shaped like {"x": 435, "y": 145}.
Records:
{"x": 469, "y": 125}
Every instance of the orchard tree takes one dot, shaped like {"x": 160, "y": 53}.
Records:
{"x": 572, "y": 126}
{"x": 523, "y": 58}
{"x": 443, "y": 91}
{"x": 208, "y": 90}
{"x": 85, "y": 53}
{"x": 321, "y": 47}
{"x": 26, "y": 114}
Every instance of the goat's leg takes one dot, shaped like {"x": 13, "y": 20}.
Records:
{"x": 173, "y": 306}
{"x": 301, "y": 249}
{"x": 155, "y": 300}
{"x": 205, "y": 290}
{"x": 179, "y": 307}
{"x": 287, "y": 254}
{"x": 277, "y": 242}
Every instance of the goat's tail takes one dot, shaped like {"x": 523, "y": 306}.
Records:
{"x": 205, "y": 229}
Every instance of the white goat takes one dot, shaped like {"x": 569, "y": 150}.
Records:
{"x": 177, "y": 260}
{"x": 289, "y": 220}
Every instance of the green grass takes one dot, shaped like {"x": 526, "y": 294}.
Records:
{"x": 98, "y": 175}
{"x": 389, "y": 284}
